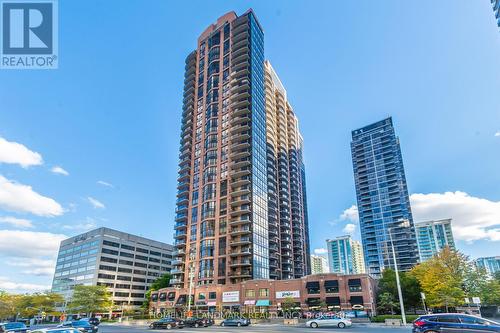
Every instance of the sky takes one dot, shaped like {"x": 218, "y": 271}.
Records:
{"x": 95, "y": 142}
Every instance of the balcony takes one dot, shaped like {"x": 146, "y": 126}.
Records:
{"x": 236, "y": 192}
{"x": 177, "y": 262}
{"x": 240, "y": 263}
{"x": 174, "y": 271}
{"x": 244, "y": 199}
{"x": 240, "y": 252}
{"x": 181, "y": 225}
{"x": 240, "y": 231}
{"x": 240, "y": 163}
{"x": 241, "y": 241}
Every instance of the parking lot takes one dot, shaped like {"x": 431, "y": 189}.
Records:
{"x": 255, "y": 328}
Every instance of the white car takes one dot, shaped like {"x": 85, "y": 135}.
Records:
{"x": 329, "y": 321}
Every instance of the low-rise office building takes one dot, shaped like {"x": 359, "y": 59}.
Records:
{"x": 334, "y": 292}
{"x": 126, "y": 264}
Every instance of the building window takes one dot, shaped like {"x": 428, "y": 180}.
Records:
{"x": 212, "y": 295}
{"x": 355, "y": 285}
{"x": 263, "y": 292}
{"x": 250, "y": 293}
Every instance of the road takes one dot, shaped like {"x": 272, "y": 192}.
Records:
{"x": 255, "y": 328}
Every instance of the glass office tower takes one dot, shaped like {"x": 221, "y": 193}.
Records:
{"x": 496, "y": 10}
{"x": 382, "y": 197}
{"x": 222, "y": 229}
{"x": 433, "y": 236}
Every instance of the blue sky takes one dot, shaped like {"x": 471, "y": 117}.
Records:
{"x": 111, "y": 113}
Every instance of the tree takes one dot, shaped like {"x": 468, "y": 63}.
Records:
{"x": 409, "y": 285}
{"x": 288, "y": 304}
{"x": 443, "y": 278}
{"x": 90, "y": 299}
{"x": 38, "y": 303}
{"x": 386, "y": 303}
{"x": 160, "y": 283}
{"x": 8, "y": 305}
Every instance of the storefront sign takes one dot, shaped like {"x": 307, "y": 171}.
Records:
{"x": 249, "y": 302}
{"x": 230, "y": 296}
{"x": 285, "y": 294}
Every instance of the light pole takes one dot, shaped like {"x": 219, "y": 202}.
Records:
{"x": 400, "y": 294}
{"x": 191, "y": 276}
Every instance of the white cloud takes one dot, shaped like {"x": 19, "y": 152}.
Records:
{"x": 88, "y": 224}
{"x": 96, "y": 203}
{"x": 350, "y": 214}
{"x": 29, "y": 244}
{"x": 103, "y": 183}
{"x": 14, "y": 287}
{"x": 320, "y": 251}
{"x": 497, "y": 134}
{"x": 16, "y": 222}
{"x": 473, "y": 218}
{"x": 21, "y": 198}
{"x": 36, "y": 266}
{"x": 59, "y": 170}
{"x": 16, "y": 153}
{"x": 349, "y": 229}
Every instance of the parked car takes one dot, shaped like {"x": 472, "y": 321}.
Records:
{"x": 195, "y": 322}
{"x": 209, "y": 321}
{"x": 13, "y": 327}
{"x": 332, "y": 321}
{"x": 167, "y": 323}
{"x": 56, "y": 330}
{"x": 235, "y": 322}
{"x": 93, "y": 321}
{"x": 454, "y": 322}
{"x": 81, "y": 325}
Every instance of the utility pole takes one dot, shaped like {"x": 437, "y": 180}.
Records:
{"x": 191, "y": 277}
{"x": 400, "y": 294}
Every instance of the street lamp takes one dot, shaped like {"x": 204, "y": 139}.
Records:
{"x": 404, "y": 224}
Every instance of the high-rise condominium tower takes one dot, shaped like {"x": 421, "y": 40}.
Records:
{"x": 496, "y": 10}
{"x": 287, "y": 210}
{"x": 319, "y": 264}
{"x": 345, "y": 255}
{"x": 225, "y": 193}
{"x": 433, "y": 236}
{"x": 382, "y": 196}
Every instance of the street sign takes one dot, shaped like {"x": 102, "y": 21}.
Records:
{"x": 422, "y": 295}
{"x": 476, "y": 300}
{"x": 467, "y": 300}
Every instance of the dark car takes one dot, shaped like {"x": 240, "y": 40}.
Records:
{"x": 92, "y": 321}
{"x": 81, "y": 325}
{"x": 167, "y": 323}
{"x": 13, "y": 327}
{"x": 235, "y": 322}
{"x": 196, "y": 322}
{"x": 454, "y": 322}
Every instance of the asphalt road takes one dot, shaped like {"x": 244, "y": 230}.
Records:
{"x": 255, "y": 328}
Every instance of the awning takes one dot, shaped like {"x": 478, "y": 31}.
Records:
{"x": 249, "y": 302}
{"x": 313, "y": 301}
{"x": 356, "y": 300}
{"x": 263, "y": 302}
{"x": 333, "y": 301}
{"x": 312, "y": 285}
{"x": 354, "y": 282}
{"x": 212, "y": 303}
{"x": 331, "y": 283}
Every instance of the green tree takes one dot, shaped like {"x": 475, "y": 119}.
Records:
{"x": 38, "y": 303}
{"x": 160, "y": 283}
{"x": 409, "y": 285}
{"x": 288, "y": 304}
{"x": 8, "y": 305}
{"x": 90, "y": 299}
{"x": 386, "y": 303}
